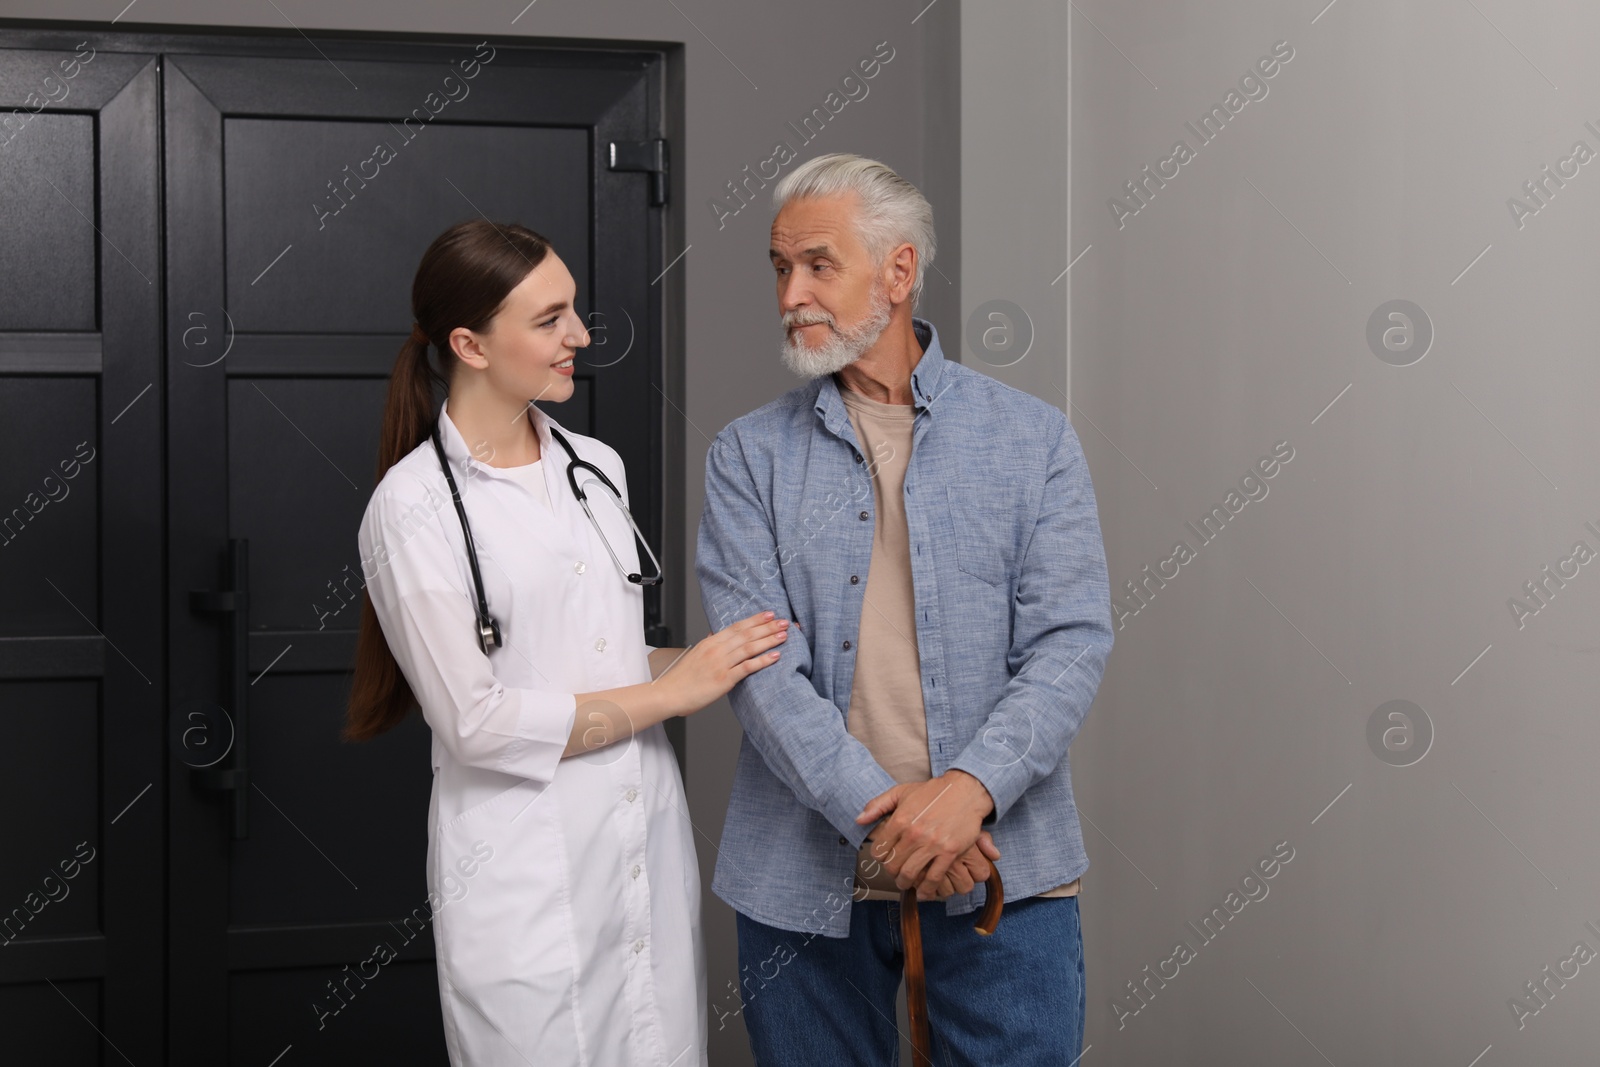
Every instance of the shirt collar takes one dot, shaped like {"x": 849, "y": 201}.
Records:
{"x": 924, "y": 379}
{"x": 461, "y": 457}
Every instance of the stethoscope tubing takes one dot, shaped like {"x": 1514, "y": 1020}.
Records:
{"x": 488, "y": 626}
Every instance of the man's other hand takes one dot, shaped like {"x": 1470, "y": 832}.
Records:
{"x": 930, "y": 837}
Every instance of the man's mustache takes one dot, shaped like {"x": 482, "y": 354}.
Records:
{"x": 794, "y": 319}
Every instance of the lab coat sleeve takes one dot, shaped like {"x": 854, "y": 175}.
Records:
{"x": 800, "y": 733}
{"x": 429, "y": 623}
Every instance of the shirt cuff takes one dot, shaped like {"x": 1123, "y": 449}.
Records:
{"x": 842, "y": 807}
{"x": 1000, "y": 784}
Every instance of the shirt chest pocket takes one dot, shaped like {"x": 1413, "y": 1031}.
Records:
{"x": 984, "y": 518}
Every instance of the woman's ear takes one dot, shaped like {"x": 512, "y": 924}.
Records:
{"x": 465, "y": 346}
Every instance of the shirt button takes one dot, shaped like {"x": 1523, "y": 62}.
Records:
{"x": 863, "y": 515}
{"x": 844, "y": 840}
{"x": 858, "y": 458}
{"x": 855, "y": 579}
{"x": 578, "y": 566}
{"x": 636, "y": 870}
{"x": 631, "y": 795}
{"x": 600, "y": 645}
{"x": 847, "y": 646}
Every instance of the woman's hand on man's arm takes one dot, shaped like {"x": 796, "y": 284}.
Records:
{"x": 690, "y": 679}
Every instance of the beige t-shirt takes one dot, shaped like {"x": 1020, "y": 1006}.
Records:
{"x": 886, "y": 713}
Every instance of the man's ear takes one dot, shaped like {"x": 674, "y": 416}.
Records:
{"x": 900, "y": 271}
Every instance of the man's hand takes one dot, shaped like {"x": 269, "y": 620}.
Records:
{"x": 930, "y": 826}
{"x": 971, "y": 868}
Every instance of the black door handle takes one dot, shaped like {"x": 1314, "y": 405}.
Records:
{"x": 233, "y": 602}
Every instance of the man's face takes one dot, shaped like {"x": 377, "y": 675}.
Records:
{"x": 832, "y": 298}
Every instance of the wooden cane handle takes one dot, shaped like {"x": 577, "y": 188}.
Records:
{"x": 994, "y": 900}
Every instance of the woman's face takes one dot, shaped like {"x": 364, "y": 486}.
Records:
{"x": 532, "y": 340}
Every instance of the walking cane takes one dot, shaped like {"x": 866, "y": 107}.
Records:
{"x": 916, "y": 980}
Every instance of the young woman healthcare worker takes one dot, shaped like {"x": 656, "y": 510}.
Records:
{"x": 561, "y": 863}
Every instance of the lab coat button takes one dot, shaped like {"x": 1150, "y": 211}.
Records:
{"x": 631, "y": 795}
{"x": 578, "y": 566}
{"x": 638, "y": 946}
{"x": 600, "y": 645}
{"x": 636, "y": 870}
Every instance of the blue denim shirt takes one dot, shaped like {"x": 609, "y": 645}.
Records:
{"x": 1013, "y": 628}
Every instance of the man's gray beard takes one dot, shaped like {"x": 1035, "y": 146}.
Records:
{"x": 843, "y": 347}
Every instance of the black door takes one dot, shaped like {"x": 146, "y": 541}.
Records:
{"x": 299, "y": 184}
{"x": 83, "y": 677}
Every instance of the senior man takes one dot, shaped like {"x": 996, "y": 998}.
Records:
{"x": 932, "y": 535}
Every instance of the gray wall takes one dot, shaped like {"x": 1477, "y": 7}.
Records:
{"x": 747, "y": 70}
{"x": 1225, "y": 317}
{"x": 1222, "y": 318}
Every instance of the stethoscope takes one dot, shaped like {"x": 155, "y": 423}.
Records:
{"x": 488, "y": 626}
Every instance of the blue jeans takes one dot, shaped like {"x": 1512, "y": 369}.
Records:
{"x": 1014, "y": 998}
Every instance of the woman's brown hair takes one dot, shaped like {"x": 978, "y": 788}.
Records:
{"x": 462, "y": 281}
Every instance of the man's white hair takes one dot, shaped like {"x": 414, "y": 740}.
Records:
{"x": 893, "y": 211}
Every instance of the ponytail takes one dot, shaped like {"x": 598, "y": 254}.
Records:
{"x": 462, "y": 281}
{"x": 408, "y": 414}
{"x": 380, "y": 696}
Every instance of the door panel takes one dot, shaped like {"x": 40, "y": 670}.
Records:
{"x": 296, "y": 187}
{"x": 366, "y": 1029}
{"x": 49, "y": 271}
{"x": 81, "y": 673}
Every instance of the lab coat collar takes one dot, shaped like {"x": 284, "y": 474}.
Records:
{"x": 461, "y": 458}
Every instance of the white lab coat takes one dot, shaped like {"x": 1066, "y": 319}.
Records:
{"x": 566, "y": 893}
